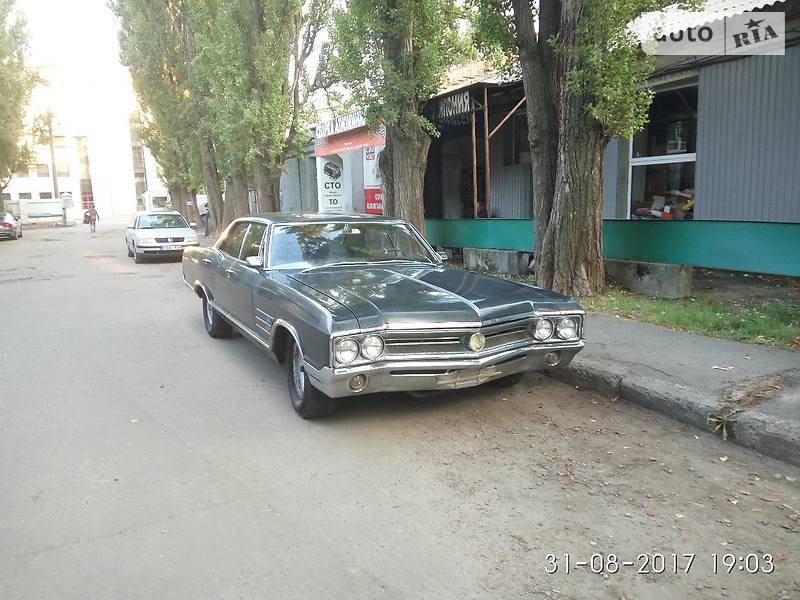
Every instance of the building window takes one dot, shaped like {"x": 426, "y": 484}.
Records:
{"x": 5, "y": 200}
{"x": 45, "y": 195}
{"x": 62, "y": 170}
{"x": 25, "y": 196}
{"x": 43, "y": 170}
{"x": 663, "y": 158}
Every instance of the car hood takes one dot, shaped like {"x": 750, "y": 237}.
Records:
{"x": 402, "y": 296}
{"x": 167, "y": 233}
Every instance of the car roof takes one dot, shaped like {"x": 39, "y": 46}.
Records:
{"x": 282, "y": 217}
{"x": 157, "y": 212}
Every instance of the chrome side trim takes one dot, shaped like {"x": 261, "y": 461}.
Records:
{"x": 246, "y": 331}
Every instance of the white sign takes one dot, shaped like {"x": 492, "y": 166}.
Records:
{"x": 715, "y": 34}
{"x": 353, "y": 120}
{"x": 454, "y": 104}
{"x": 331, "y": 184}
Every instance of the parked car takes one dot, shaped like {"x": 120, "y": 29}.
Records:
{"x": 10, "y": 227}
{"x": 356, "y": 304}
{"x": 159, "y": 233}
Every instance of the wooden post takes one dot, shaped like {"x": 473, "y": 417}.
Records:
{"x": 487, "y": 198}
{"x": 474, "y": 166}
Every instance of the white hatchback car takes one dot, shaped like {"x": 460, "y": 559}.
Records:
{"x": 159, "y": 233}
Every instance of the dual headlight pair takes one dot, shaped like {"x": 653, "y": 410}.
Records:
{"x": 346, "y": 350}
{"x": 566, "y": 329}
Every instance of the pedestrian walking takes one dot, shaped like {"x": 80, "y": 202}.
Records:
{"x": 91, "y": 217}
{"x": 206, "y": 216}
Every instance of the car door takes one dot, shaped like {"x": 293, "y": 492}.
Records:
{"x": 220, "y": 265}
{"x": 242, "y": 278}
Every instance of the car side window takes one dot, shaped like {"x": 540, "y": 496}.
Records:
{"x": 233, "y": 241}
{"x": 252, "y": 241}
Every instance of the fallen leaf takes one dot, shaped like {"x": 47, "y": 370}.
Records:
{"x": 728, "y": 368}
{"x": 723, "y": 459}
{"x": 771, "y": 499}
{"x": 787, "y": 478}
{"x": 679, "y": 516}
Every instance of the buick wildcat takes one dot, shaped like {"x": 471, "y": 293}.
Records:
{"x": 359, "y": 304}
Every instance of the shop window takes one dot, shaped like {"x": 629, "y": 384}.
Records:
{"x": 43, "y": 170}
{"x": 662, "y": 160}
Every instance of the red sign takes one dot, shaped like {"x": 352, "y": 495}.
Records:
{"x": 348, "y": 141}
{"x": 373, "y": 200}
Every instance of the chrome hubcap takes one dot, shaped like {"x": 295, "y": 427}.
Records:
{"x": 297, "y": 372}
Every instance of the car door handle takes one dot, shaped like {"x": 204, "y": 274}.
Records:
{"x": 230, "y": 274}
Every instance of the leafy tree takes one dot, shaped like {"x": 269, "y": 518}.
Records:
{"x": 157, "y": 46}
{"x": 16, "y": 84}
{"x": 585, "y": 82}
{"x": 392, "y": 54}
{"x": 255, "y": 57}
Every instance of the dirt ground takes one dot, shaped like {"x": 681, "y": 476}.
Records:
{"x": 736, "y": 285}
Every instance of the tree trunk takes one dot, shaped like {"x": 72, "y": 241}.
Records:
{"x": 403, "y": 173}
{"x": 236, "y": 195}
{"x": 567, "y": 154}
{"x": 211, "y": 181}
{"x": 572, "y": 243}
{"x": 268, "y": 182}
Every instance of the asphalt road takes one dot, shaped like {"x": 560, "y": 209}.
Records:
{"x": 140, "y": 458}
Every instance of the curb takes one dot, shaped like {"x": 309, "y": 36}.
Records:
{"x": 753, "y": 429}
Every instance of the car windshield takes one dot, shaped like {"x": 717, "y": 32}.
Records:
{"x": 162, "y": 222}
{"x": 310, "y": 245}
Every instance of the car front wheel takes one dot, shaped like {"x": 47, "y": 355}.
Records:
{"x": 307, "y": 401}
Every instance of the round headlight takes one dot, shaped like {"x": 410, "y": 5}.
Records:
{"x": 567, "y": 328}
{"x": 346, "y": 351}
{"x": 477, "y": 341}
{"x": 372, "y": 347}
{"x": 543, "y": 329}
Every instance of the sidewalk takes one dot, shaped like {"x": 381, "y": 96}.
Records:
{"x": 689, "y": 377}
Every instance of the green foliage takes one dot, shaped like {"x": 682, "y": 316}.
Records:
{"x": 151, "y": 49}
{"x": 16, "y": 84}
{"x": 720, "y": 421}
{"x": 392, "y": 54}
{"x": 608, "y": 68}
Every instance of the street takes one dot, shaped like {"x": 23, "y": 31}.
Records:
{"x": 140, "y": 458}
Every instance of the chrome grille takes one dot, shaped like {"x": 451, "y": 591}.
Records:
{"x": 451, "y": 343}
{"x": 163, "y": 240}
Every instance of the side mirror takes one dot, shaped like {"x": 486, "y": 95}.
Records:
{"x": 130, "y": 227}
{"x": 192, "y": 224}
{"x": 443, "y": 256}
{"x": 254, "y": 261}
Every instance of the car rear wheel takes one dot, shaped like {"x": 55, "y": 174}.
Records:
{"x": 216, "y": 326}
{"x": 307, "y": 401}
{"x": 508, "y": 380}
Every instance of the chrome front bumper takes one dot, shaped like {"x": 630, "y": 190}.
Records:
{"x": 438, "y": 374}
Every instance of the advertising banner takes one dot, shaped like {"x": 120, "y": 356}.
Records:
{"x": 331, "y": 195}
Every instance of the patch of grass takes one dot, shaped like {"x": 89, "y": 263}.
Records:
{"x": 772, "y": 322}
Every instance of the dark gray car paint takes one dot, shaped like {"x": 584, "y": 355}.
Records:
{"x": 317, "y": 304}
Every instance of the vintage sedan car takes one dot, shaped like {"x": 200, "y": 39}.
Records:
{"x": 358, "y": 304}
{"x": 159, "y": 233}
{"x": 10, "y": 227}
